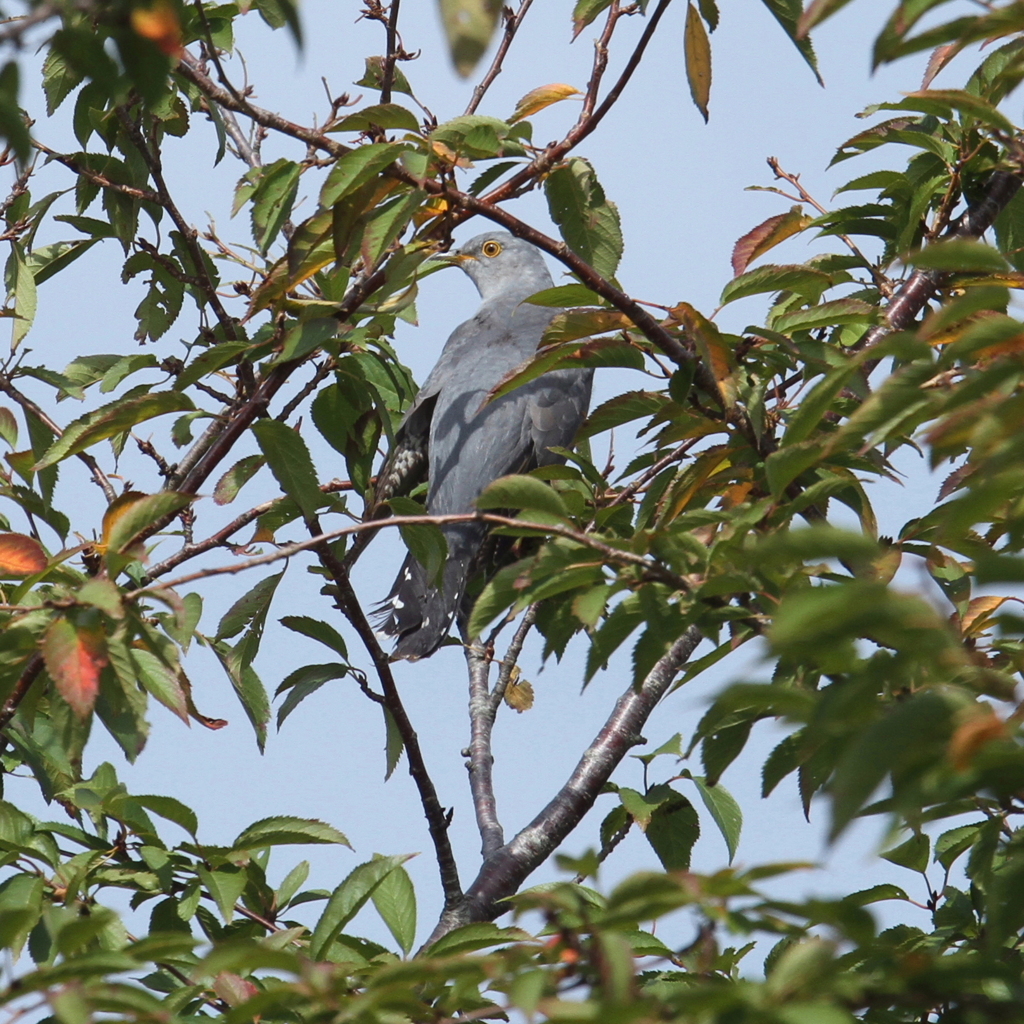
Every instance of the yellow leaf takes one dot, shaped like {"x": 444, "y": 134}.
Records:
{"x": 978, "y": 616}
{"x": 116, "y": 511}
{"x": 697, "y": 50}
{"x": 541, "y": 97}
{"x": 518, "y": 693}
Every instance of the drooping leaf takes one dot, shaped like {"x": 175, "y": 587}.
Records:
{"x": 468, "y": 26}
{"x": 290, "y": 462}
{"x": 541, "y": 97}
{"x": 697, "y": 51}
{"x": 74, "y": 658}
{"x": 588, "y": 221}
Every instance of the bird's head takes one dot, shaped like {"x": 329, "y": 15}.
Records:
{"x": 500, "y": 264}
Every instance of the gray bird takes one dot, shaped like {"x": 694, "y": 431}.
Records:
{"x": 463, "y": 444}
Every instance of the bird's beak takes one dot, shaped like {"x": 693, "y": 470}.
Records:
{"x": 451, "y": 259}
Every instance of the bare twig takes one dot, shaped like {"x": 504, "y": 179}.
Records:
{"x": 504, "y": 871}
{"x": 14, "y": 28}
{"x": 508, "y": 663}
{"x": 437, "y": 819}
{"x": 653, "y": 570}
{"x": 221, "y": 537}
{"x": 387, "y": 76}
{"x": 322, "y": 371}
{"x": 512, "y": 23}
{"x": 881, "y": 282}
{"x": 98, "y": 476}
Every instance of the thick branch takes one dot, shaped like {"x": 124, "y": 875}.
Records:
{"x": 481, "y": 760}
{"x": 915, "y": 292}
{"x": 505, "y": 871}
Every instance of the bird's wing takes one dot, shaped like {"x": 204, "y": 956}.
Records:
{"x": 556, "y": 407}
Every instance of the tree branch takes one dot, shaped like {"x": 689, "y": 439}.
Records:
{"x": 387, "y": 76}
{"x": 505, "y": 871}
{"x": 653, "y": 570}
{"x": 437, "y": 820}
{"x": 481, "y": 760}
{"x": 914, "y": 293}
{"x": 512, "y": 23}
{"x": 26, "y": 403}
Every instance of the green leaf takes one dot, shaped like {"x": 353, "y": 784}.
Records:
{"x": 802, "y": 280}
{"x": 959, "y": 254}
{"x": 171, "y": 810}
{"x": 236, "y": 478}
{"x": 468, "y": 26}
{"x": 522, "y": 492}
{"x": 272, "y": 200}
{"x": 160, "y": 681}
{"x": 286, "y": 830}
{"x": 393, "y": 746}
{"x": 565, "y": 295}
{"x": 108, "y": 420}
{"x": 59, "y": 80}
{"x": 585, "y": 12}
{"x": 225, "y": 886}
{"x": 349, "y": 898}
{"x": 315, "y": 629}
{"x": 471, "y": 937}
{"x": 724, "y": 809}
{"x": 21, "y": 284}
{"x": 911, "y": 854}
{"x": 355, "y": 169}
{"x": 127, "y": 520}
{"x": 383, "y": 115}
{"x": 672, "y": 831}
{"x": 252, "y": 606}
{"x": 373, "y": 76}
{"x": 305, "y": 680}
{"x": 589, "y": 223}
{"x": 788, "y": 13}
{"x": 291, "y": 464}
{"x": 209, "y": 361}
{"x": 395, "y": 900}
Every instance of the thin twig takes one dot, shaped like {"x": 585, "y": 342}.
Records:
{"x": 10, "y": 706}
{"x": 17, "y": 27}
{"x": 512, "y": 23}
{"x": 437, "y": 819}
{"x": 96, "y": 178}
{"x": 653, "y": 570}
{"x": 220, "y": 538}
{"x": 322, "y": 371}
{"x": 881, "y": 281}
{"x": 387, "y": 77}
{"x": 508, "y": 663}
{"x": 98, "y": 476}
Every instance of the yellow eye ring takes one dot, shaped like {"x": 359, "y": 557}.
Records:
{"x": 491, "y": 248}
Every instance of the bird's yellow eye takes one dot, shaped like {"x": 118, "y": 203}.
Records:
{"x": 491, "y": 248}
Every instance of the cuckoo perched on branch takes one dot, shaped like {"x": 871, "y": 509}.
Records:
{"x": 463, "y": 442}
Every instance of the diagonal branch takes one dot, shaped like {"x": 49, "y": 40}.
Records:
{"x": 437, "y": 819}
{"x": 505, "y": 871}
{"x": 512, "y": 23}
{"x": 914, "y": 293}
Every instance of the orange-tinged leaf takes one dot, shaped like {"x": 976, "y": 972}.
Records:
{"x": 74, "y": 658}
{"x": 541, "y": 97}
{"x": 697, "y": 50}
{"x": 978, "y": 616}
{"x": 160, "y": 24}
{"x": 970, "y": 737}
{"x": 714, "y": 352}
{"x": 938, "y": 59}
{"x": 767, "y": 235}
{"x": 21, "y": 555}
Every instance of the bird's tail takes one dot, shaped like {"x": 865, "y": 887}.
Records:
{"x": 419, "y": 613}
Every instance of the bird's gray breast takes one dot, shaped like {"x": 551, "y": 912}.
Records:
{"x": 472, "y": 442}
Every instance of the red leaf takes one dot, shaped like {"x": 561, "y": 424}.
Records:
{"x": 21, "y": 555}
{"x": 74, "y": 658}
